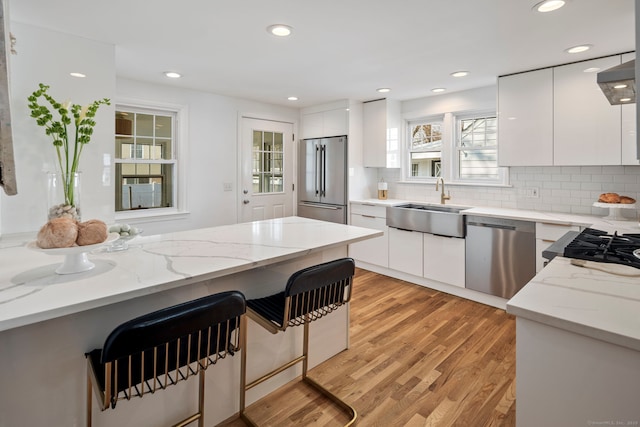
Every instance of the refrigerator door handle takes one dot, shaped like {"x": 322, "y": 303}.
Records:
{"x": 323, "y": 172}
{"x": 316, "y": 180}
{"x": 314, "y": 205}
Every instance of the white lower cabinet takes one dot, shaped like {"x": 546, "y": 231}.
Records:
{"x": 405, "y": 251}
{"x": 373, "y": 251}
{"x": 444, "y": 259}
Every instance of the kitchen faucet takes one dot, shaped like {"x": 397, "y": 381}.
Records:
{"x": 443, "y": 198}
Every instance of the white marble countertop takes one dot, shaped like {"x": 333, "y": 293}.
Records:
{"x": 589, "y": 302}
{"x": 31, "y": 291}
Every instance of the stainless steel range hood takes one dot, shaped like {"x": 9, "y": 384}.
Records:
{"x": 619, "y": 83}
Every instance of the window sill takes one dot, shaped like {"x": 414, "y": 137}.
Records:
{"x": 151, "y": 215}
{"x": 459, "y": 183}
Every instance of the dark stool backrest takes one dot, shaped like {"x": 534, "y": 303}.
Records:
{"x": 318, "y": 290}
{"x": 149, "y": 349}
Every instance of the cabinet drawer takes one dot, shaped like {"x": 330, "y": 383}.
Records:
{"x": 369, "y": 209}
{"x": 552, "y": 232}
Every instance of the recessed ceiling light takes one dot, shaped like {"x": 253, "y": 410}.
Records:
{"x": 592, "y": 70}
{"x": 549, "y": 5}
{"x": 620, "y": 86}
{"x": 383, "y": 90}
{"x": 579, "y": 48}
{"x": 292, "y": 98}
{"x": 279, "y": 30}
{"x": 459, "y": 73}
{"x": 78, "y": 75}
{"x": 625, "y": 99}
{"x": 172, "y": 75}
{"x": 438, "y": 89}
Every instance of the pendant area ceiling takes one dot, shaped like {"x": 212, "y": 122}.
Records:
{"x": 339, "y": 49}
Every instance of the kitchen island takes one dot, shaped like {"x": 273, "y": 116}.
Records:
{"x": 48, "y": 321}
{"x": 578, "y": 346}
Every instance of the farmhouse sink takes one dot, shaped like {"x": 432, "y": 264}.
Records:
{"x": 427, "y": 218}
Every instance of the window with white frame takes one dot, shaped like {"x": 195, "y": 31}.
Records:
{"x": 461, "y": 148}
{"x": 425, "y": 148}
{"x": 145, "y": 159}
{"x": 477, "y": 148}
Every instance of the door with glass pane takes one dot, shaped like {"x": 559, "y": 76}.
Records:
{"x": 267, "y": 170}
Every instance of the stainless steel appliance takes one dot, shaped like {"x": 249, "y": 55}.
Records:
{"x": 500, "y": 255}
{"x": 322, "y": 186}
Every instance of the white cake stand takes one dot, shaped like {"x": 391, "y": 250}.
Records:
{"x": 615, "y": 209}
{"x": 75, "y": 257}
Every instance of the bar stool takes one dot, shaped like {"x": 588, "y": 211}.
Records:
{"x": 310, "y": 294}
{"x": 156, "y": 350}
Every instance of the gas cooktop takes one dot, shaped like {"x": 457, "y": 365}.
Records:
{"x": 596, "y": 245}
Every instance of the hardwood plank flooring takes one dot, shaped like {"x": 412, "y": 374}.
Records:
{"x": 418, "y": 357}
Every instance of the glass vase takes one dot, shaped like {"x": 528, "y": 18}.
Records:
{"x": 63, "y": 195}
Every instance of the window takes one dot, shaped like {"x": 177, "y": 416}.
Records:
{"x": 426, "y": 148}
{"x": 267, "y": 152}
{"x": 460, "y": 148}
{"x": 477, "y": 148}
{"x": 145, "y": 159}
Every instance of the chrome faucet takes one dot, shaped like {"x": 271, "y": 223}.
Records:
{"x": 443, "y": 198}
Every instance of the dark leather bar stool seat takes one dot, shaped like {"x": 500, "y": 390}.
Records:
{"x": 310, "y": 294}
{"x": 159, "y": 349}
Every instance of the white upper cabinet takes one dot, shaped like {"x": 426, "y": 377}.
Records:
{"x": 381, "y": 134}
{"x": 586, "y": 128}
{"x": 326, "y": 123}
{"x": 559, "y": 116}
{"x": 629, "y": 142}
{"x": 525, "y": 119}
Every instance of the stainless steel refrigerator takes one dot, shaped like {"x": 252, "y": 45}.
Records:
{"x": 322, "y": 186}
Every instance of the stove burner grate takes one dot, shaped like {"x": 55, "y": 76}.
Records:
{"x": 597, "y": 245}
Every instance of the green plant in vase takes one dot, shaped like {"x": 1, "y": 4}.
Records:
{"x": 70, "y": 132}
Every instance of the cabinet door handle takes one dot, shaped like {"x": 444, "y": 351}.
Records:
{"x": 368, "y": 216}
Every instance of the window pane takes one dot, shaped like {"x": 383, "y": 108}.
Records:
{"x": 124, "y": 148}
{"x": 427, "y": 164}
{"x": 163, "y": 149}
{"x": 163, "y": 127}
{"x": 426, "y": 136}
{"x": 144, "y": 186}
{"x": 481, "y": 164}
{"x": 479, "y": 132}
{"x": 144, "y": 125}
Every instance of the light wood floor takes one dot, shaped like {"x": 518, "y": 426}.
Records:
{"x": 418, "y": 357}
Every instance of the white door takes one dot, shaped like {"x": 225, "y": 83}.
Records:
{"x": 266, "y": 183}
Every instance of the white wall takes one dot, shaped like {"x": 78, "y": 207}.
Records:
{"x": 48, "y": 57}
{"x": 211, "y": 149}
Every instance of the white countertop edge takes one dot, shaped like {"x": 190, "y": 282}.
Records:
{"x": 140, "y": 290}
{"x": 575, "y": 327}
{"x": 588, "y": 302}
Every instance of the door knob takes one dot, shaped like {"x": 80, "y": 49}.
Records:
{"x": 245, "y": 191}
{"x": 245, "y": 201}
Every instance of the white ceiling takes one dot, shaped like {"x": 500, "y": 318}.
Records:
{"x": 340, "y": 48}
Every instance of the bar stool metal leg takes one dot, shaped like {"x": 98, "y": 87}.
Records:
{"x": 310, "y": 294}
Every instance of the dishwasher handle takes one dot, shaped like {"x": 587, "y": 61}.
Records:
{"x": 499, "y": 226}
{"x": 497, "y": 223}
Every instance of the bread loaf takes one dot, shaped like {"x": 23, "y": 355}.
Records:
{"x": 91, "y": 232}
{"x": 609, "y": 198}
{"x": 58, "y": 233}
{"x": 627, "y": 200}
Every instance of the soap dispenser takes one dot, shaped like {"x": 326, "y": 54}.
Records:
{"x": 382, "y": 190}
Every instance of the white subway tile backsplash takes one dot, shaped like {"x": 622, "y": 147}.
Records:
{"x": 569, "y": 189}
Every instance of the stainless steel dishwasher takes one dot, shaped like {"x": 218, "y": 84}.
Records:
{"x": 500, "y": 255}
